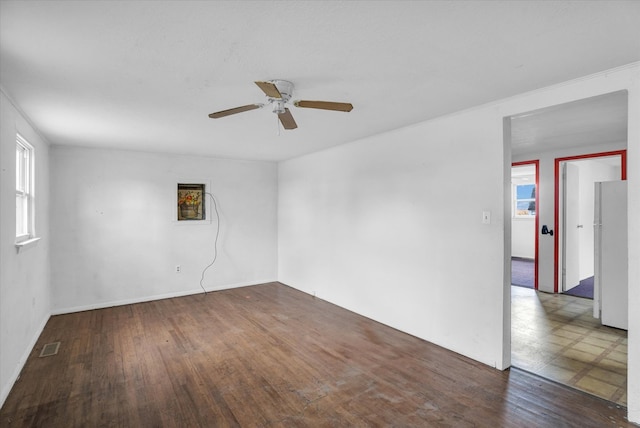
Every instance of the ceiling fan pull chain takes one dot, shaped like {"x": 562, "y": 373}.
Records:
{"x": 278, "y": 125}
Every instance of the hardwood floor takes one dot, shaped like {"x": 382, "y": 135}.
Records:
{"x": 269, "y": 355}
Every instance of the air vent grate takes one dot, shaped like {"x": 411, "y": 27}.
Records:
{"x": 50, "y": 349}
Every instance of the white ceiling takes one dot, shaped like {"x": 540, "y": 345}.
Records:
{"x": 587, "y": 122}
{"x": 144, "y": 75}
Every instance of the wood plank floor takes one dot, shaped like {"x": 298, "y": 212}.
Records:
{"x": 269, "y": 355}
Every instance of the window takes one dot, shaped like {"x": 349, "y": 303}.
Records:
{"x": 524, "y": 200}
{"x": 24, "y": 190}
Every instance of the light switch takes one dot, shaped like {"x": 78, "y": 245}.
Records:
{"x": 486, "y": 217}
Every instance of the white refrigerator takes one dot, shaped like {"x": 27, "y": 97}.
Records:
{"x": 610, "y": 294}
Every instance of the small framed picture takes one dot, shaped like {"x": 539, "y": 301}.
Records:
{"x": 191, "y": 203}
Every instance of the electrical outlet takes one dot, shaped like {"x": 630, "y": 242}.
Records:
{"x": 178, "y": 269}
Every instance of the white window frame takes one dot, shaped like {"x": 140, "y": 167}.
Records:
{"x": 25, "y": 156}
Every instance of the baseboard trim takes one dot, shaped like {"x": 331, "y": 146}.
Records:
{"x": 22, "y": 361}
{"x": 142, "y": 299}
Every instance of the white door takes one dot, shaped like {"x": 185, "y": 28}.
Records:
{"x": 612, "y": 274}
{"x": 570, "y": 226}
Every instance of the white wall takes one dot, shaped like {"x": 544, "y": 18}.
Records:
{"x": 116, "y": 239}
{"x": 383, "y": 225}
{"x": 24, "y": 276}
{"x": 633, "y": 177}
{"x": 389, "y": 228}
{"x": 523, "y": 232}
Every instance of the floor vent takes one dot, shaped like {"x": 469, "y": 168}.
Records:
{"x": 50, "y": 349}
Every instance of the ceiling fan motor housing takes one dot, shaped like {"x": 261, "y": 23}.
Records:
{"x": 285, "y": 88}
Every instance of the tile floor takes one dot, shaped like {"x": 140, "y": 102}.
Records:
{"x": 556, "y": 336}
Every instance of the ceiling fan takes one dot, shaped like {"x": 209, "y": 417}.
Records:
{"x": 278, "y": 94}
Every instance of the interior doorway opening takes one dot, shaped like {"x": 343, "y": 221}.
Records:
{"x": 524, "y": 224}
{"x": 555, "y": 335}
{"x": 575, "y": 178}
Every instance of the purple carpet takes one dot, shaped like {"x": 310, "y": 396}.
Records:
{"x": 584, "y": 289}
{"x": 522, "y": 272}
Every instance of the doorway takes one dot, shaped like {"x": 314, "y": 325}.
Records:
{"x": 524, "y": 224}
{"x": 554, "y": 334}
{"x": 575, "y": 178}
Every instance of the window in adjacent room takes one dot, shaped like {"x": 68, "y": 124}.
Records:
{"x": 24, "y": 190}
{"x": 525, "y": 200}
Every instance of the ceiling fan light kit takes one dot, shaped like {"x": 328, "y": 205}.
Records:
{"x": 278, "y": 93}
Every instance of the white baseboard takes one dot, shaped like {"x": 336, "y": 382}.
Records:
{"x": 142, "y": 299}
{"x": 22, "y": 361}
{"x": 60, "y": 311}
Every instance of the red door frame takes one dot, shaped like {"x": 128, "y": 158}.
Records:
{"x": 536, "y": 164}
{"x": 556, "y": 201}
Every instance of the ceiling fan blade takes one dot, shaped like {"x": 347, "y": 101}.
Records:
{"x": 231, "y": 111}
{"x": 269, "y": 89}
{"x": 287, "y": 120}
{"x": 324, "y": 105}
